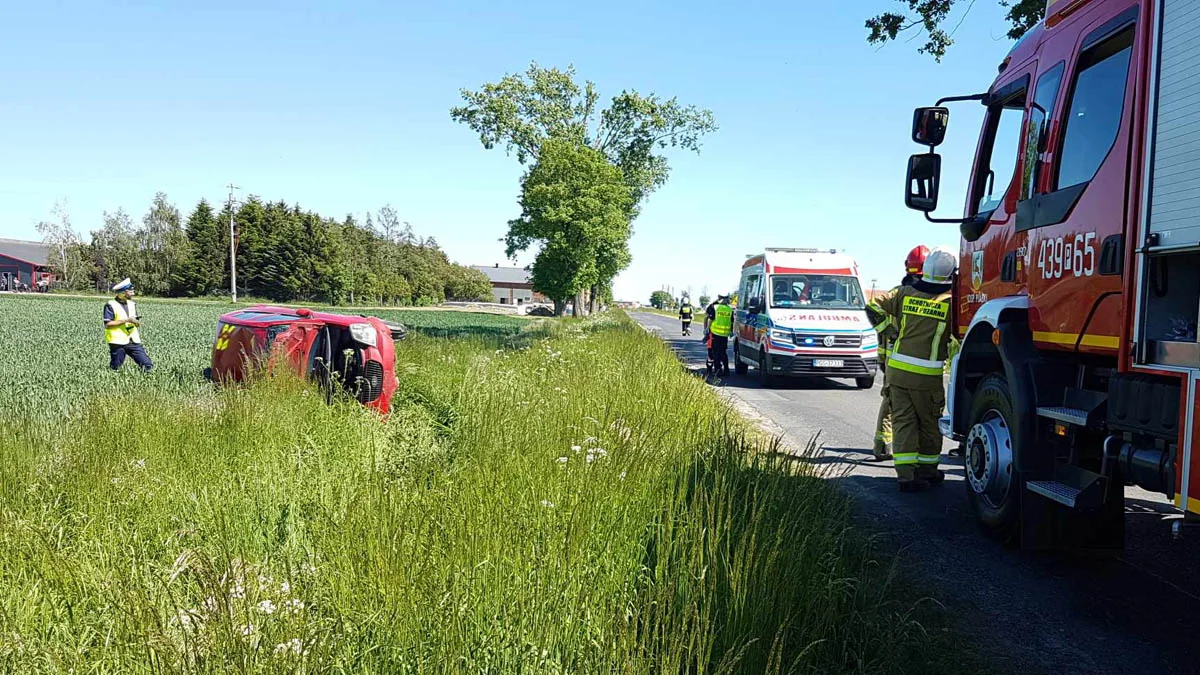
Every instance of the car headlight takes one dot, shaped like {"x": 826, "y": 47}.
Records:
{"x": 364, "y": 333}
{"x": 870, "y": 339}
{"x": 781, "y": 335}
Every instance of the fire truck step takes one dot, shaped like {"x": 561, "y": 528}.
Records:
{"x": 1064, "y": 414}
{"x": 1051, "y": 489}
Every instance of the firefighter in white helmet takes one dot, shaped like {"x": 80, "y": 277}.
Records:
{"x": 915, "y": 369}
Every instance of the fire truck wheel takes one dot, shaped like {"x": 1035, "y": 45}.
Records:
{"x": 993, "y": 484}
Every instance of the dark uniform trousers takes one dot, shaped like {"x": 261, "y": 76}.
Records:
{"x": 117, "y": 354}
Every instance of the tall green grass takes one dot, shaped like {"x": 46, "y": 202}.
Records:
{"x": 565, "y": 501}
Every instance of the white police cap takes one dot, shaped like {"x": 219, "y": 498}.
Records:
{"x": 123, "y": 285}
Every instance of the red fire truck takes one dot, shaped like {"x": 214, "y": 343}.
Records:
{"x": 1079, "y": 272}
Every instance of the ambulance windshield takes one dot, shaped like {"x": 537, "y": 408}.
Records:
{"x": 815, "y": 291}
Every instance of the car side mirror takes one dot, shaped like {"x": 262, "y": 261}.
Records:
{"x": 929, "y": 126}
{"x": 924, "y": 180}
{"x": 754, "y": 306}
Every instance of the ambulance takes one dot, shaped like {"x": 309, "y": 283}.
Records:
{"x": 803, "y": 315}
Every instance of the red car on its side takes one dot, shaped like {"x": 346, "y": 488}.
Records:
{"x": 356, "y": 353}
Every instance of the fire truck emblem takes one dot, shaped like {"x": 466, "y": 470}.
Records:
{"x": 976, "y": 270}
{"x": 828, "y": 341}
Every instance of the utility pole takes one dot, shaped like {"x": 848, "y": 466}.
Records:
{"x": 232, "y": 247}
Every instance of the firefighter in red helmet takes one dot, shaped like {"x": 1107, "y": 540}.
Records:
{"x": 887, "y": 335}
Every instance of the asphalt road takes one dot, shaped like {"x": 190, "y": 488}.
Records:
{"x": 1138, "y": 612}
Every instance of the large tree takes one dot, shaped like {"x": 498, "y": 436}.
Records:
{"x": 70, "y": 259}
{"x": 522, "y": 111}
{"x": 930, "y": 16}
{"x": 162, "y": 244}
{"x": 573, "y": 203}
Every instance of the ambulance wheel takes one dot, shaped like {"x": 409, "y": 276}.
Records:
{"x": 993, "y": 483}
{"x": 739, "y": 366}
{"x": 764, "y": 369}
{"x": 864, "y": 382}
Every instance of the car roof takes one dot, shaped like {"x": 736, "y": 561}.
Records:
{"x": 266, "y": 315}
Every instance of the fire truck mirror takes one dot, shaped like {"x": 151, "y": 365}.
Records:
{"x": 924, "y": 179}
{"x": 929, "y": 126}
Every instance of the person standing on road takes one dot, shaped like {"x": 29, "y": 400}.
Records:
{"x": 685, "y": 315}
{"x": 887, "y": 335}
{"x": 121, "y": 322}
{"x": 718, "y": 326}
{"x": 915, "y": 369}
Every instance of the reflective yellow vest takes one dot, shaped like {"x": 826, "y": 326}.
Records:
{"x": 722, "y": 324}
{"x": 122, "y": 335}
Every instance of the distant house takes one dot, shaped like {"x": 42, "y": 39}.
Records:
{"x": 24, "y": 262}
{"x": 511, "y": 285}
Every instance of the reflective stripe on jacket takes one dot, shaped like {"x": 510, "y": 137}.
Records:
{"x": 722, "y": 323}
{"x": 126, "y": 333}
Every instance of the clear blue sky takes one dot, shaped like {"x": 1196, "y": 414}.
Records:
{"x": 344, "y": 110}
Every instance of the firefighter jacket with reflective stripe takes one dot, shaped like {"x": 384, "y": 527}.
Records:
{"x": 921, "y": 316}
{"x": 126, "y": 333}
{"x": 685, "y": 312}
{"x": 882, "y": 321}
{"x": 722, "y": 323}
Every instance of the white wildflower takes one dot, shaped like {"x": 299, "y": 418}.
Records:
{"x": 285, "y": 588}
{"x": 209, "y": 604}
{"x": 575, "y": 449}
{"x": 547, "y": 503}
{"x": 187, "y": 618}
{"x": 562, "y": 460}
{"x": 622, "y": 476}
{"x": 237, "y": 592}
{"x": 266, "y": 607}
{"x": 293, "y": 606}
{"x": 137, "y": 464}
{"x": 293, "y": 647}
{"x": 247, "y": 630}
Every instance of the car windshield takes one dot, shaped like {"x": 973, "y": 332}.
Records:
{"x": 815, "y": 291}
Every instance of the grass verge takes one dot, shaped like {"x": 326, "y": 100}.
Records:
{"x": 567, "y": 500}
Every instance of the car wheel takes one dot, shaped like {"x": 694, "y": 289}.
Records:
{"x": 993, "y": 483}
{"x": 864, "y": 382}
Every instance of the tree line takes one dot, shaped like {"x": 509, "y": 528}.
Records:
{"x": 284, "y": 254}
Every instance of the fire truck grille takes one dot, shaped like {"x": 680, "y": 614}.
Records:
{"x": 371, "y": 383}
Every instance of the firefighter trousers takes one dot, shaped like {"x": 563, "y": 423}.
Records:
{"x": 883, "y": 422}
{"x": 916, "y": 441}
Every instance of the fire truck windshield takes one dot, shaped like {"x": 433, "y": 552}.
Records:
{"x": 816, "y": 291}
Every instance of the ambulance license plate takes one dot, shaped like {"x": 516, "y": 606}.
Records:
{"x": 828, "y": 363}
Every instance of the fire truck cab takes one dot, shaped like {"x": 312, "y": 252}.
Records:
{"x": 1079, "y": 273}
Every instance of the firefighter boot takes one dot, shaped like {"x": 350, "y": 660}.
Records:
{"x": 933, "y": 476}
{"x": 909, "y": 481}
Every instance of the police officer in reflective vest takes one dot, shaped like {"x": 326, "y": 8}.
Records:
{"x": 921, "y": 313}
{"x": 718, "y": 322}
{"x": 121, "y": 322}
{"x": 887, "y": 335}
